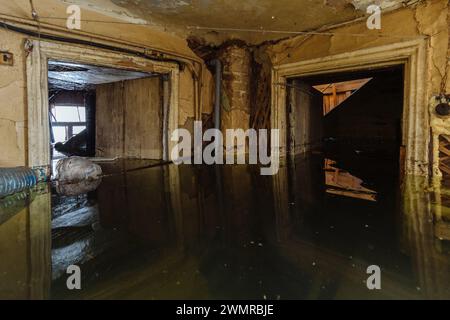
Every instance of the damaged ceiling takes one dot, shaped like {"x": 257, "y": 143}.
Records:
{"x": 74, "y": 77}
{"x": 253, "y": 21}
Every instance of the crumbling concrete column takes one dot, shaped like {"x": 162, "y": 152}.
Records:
{"x": 236, "y": 77}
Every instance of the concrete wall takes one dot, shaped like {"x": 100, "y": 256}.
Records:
{"x": 236, "y": 79}
{"x": 13, "y": 102}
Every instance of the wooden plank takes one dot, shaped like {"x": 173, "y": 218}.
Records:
{"x": 109, "y": 120}
{"x": 143, "y": 118}
{"x": 308, "y": 118}
{"x": 129, "y": 119}
{"x": 342, "y": 87}
{"x": 334, "y": 95}
{"x": 444, "y": 150}
{"x": 445, "y": 168}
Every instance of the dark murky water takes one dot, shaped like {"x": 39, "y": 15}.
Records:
{"x": 202, "y": 232}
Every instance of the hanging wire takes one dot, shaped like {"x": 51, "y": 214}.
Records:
{"x": 39, "y": 19}
{"x": 296, "y": 88}
{"x": 306, "y": 33}
{"x": 35, "y": 16}
{"x": 102, "y": 21}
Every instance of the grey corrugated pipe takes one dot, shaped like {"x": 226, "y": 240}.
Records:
{"x": 218, "y": 81}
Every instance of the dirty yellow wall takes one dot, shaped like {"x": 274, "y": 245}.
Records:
{"x": 429, "y": 18}
{"x": 52, "y": 13}
{"x": 12, "y": 103}
{"x": 14, "y": 263}
{"x": 186, "y": 113}
{"x": 447, "y": 89}
{"x": 13, "y": 89}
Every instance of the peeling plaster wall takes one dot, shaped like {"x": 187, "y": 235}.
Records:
{"x": 219, "y": 21}
{"x": 236, "y": 80}
{"x": 447, "y": 87}
{"x": 12, "y": 103}
{"x": 186, "y": 114}
{"x": 429, "y": 18}
{"x": 94, "y": 22}
{"x": 440, "y": 75}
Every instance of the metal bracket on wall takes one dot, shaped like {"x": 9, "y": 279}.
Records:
{"x": 6, "y": 58}
{"x": 442, "y": 108}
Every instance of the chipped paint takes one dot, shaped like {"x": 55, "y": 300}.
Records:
{"x": 109, "y": 9}
{"x": 178, "y": 16}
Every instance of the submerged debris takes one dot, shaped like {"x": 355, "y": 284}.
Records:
{"x": 76, "y": 169}
{"x": 74, "y": 189}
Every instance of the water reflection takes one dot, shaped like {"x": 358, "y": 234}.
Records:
{"x": 192, "y": 232}
{"x": 74, "y": 189}
{"x": 341, "y": 182}
{"x": 25, "y": 248}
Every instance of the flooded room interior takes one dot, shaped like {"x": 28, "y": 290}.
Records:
{"x": 225, "y": 150}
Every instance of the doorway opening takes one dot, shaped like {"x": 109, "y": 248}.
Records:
{"x": 354, "y": 120}
{"x": 104, "y": 112}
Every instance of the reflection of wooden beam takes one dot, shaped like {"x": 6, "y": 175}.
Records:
{"x": 340, "y": 182}
{"x": 40, "y": 262}
{"x": 353, "y": 194}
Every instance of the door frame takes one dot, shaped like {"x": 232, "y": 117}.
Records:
{"x": 412, "y": 55}
{"x": 37, "y": 88}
